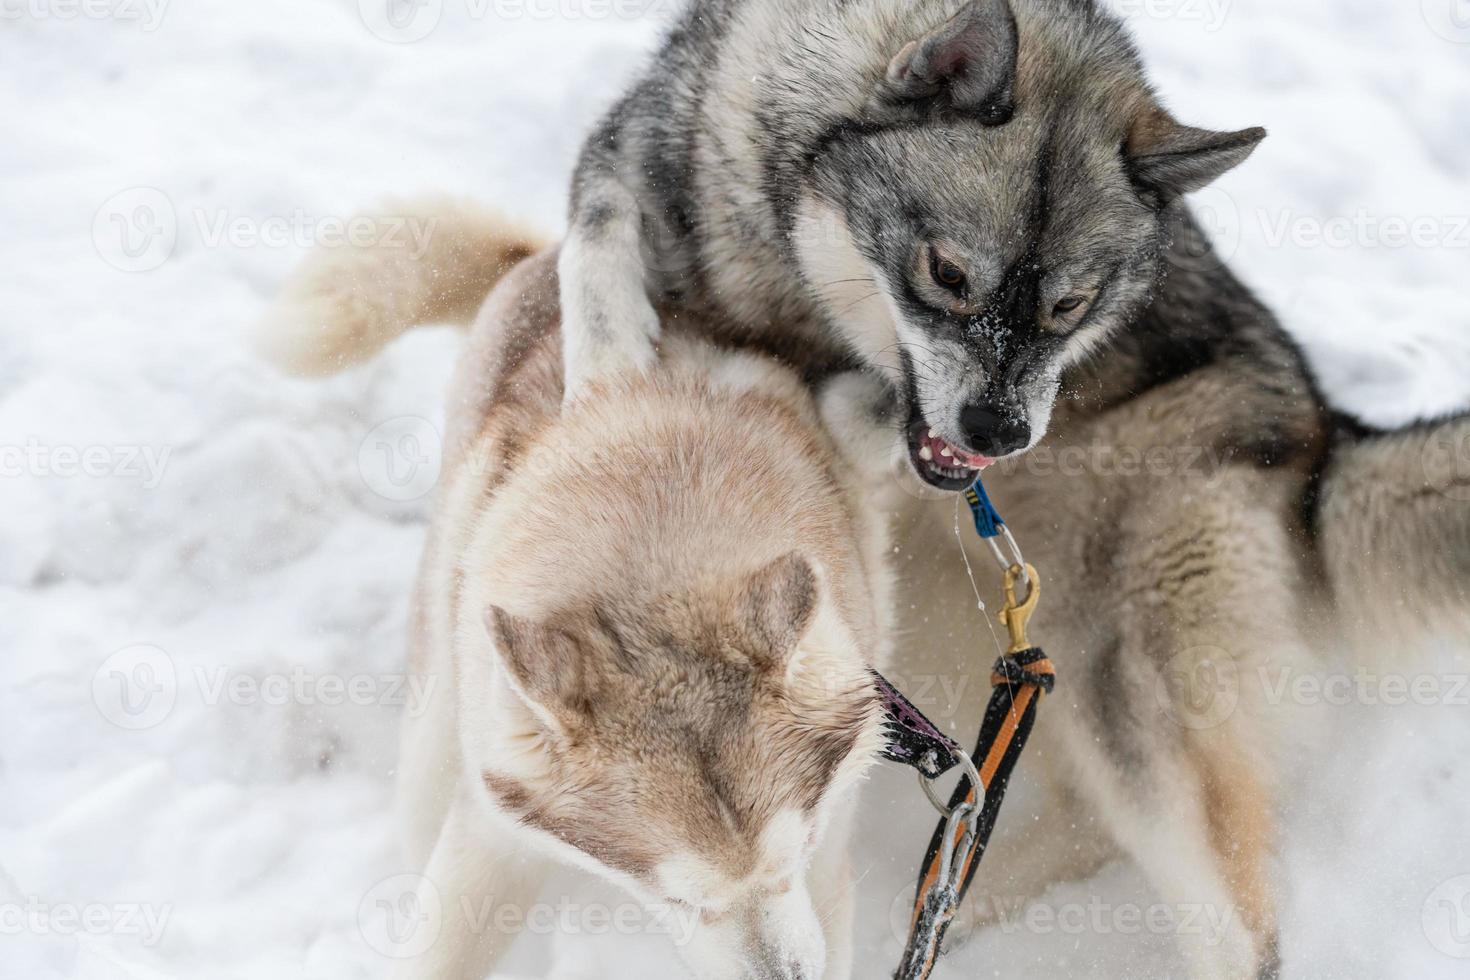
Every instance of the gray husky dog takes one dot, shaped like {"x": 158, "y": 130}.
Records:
{"x": 983, "y": 201}
{"x": 974, "y": 207}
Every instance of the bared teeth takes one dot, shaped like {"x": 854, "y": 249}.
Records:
{"x": 950, "y": 462}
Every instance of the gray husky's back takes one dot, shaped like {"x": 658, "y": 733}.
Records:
{"x": 1393, "y": 524}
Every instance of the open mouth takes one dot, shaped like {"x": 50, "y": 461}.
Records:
{"x": 939, "y": 463}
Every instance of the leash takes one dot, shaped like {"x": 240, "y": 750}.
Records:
{"x": 1019, "y": 681}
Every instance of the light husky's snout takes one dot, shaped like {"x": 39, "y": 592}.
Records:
{"x": 771, "y": 937}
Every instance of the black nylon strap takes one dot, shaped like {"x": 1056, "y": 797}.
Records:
{"x": 934, "y": 915}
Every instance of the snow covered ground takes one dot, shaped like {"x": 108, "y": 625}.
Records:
{"x": 204, "y": 568}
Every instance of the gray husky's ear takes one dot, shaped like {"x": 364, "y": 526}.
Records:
{"x": 1174, "y": 159}
{"x": 776, "y": 608}
{"x": 971, "y": 57}
{"x": 545, "y": 665}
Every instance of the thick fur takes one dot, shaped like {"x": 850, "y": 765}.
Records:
{"x": 791, "y": 175}
{"x": 344, "y": 304}
{"x": 652, "y": 617}
{"x": 780, "y": 171}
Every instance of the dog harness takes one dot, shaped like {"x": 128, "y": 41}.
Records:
{"x": 1019, "y": 680}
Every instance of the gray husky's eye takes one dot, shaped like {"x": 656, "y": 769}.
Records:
{"x": 1069, "y": 305}
{"x": 947, "y": 274}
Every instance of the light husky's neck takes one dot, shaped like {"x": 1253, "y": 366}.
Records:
{"x": 717, "y": 461}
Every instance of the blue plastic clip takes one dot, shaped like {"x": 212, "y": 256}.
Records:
{"x": 988, "y": 522}
{"x": 990, "y": 526}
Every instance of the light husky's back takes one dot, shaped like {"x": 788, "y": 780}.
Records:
{"x": 654, "y": 615}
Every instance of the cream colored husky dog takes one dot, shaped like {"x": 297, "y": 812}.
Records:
{"x": 654, "y": 616}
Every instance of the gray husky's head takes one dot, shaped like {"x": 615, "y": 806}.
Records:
{"x": 1004, "y": 194}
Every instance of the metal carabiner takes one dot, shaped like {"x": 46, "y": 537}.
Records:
{"x": 967, "y": 766}
{"x": 1016, "y": 559}
{"x": 1017, "y": 614}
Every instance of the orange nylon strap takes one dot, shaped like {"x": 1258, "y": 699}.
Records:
{"x": 1021, "y": 679}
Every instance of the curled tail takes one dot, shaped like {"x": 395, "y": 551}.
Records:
{"x": 434, "y": 262}
{"x": 1394, "y": 525}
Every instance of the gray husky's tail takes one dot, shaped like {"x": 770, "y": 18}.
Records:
{"x": 1394, "y": 525}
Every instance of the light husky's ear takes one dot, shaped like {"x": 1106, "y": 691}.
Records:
{"x": 1174, "y": 159}
{"x": 545, "y": 665}
{"x": 776, "y": 607}
{"x": 971, "y": 58}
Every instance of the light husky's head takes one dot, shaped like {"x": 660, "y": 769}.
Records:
{"x": 1005, "y": 190}
{"x": 679, "y": 674}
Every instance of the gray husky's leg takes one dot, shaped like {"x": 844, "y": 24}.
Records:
{"x": 609, "y": 326}
{"x": 1175, "y": 740}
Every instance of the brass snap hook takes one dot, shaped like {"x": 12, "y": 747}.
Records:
{"x": 1016, "y": 615}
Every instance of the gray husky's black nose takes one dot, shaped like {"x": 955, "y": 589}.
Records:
{"x": 993, "y": 434}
